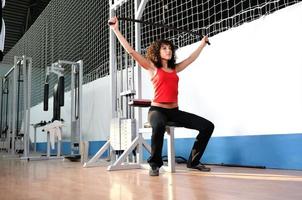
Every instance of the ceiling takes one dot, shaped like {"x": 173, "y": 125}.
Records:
{"x": 18, "y": 16}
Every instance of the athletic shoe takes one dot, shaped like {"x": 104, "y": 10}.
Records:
{"x": 154, "y": 171}
{"x": 200, "y": 167}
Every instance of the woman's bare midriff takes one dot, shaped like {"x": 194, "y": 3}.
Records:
{"x": 165, "y": 105}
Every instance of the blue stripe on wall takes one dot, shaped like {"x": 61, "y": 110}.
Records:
{"x": 94, "y": 146}
{"x": 42, "y": 146}
{"x": 272, "y": 151}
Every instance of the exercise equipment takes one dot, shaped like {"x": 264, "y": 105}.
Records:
{"x": 123, "y": 127}
{"x": 55, "y": 127}
{"x": 15, "y": 107}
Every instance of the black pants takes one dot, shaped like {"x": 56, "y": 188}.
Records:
{"x": 158, "y": 117}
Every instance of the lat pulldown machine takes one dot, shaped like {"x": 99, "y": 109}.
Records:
{"x": 76, "y": 103}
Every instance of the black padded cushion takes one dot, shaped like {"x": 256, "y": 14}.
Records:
{"x": 140, "y": 103}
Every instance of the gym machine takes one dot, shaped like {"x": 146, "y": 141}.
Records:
{"x": 125, "y": 145}
{"x": 15, "y": 107}
{"x": 55, "y": 127}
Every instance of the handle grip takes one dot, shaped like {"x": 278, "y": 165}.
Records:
{"x": 45, "y": 102}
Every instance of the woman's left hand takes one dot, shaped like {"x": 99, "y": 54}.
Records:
{"x": 204, "y": 40}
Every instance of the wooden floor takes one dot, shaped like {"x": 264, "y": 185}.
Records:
{"x": 60, "y": 180}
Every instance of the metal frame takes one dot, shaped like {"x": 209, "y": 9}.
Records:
{"x": 24, "y": 63}
{"x": 27, "y": 101}
{"x": 5, "y": 142}
{"x": 76, "y": 111}
{"x": 129, "y": 93}
{"x": 76, "y": 99}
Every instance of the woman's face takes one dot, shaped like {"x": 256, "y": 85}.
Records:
{"x": 165, "y": 52}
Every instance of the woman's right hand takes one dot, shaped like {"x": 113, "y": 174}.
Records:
{"x": 113, "y": 23}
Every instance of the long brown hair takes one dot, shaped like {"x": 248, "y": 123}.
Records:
{"x": 153, "y": 53}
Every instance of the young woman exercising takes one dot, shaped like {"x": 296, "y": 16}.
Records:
{"x": 161, "y": 66}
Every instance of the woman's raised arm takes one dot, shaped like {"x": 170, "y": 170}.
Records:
{"x": 142, "y": 61}
{"x": 185, "y": 63}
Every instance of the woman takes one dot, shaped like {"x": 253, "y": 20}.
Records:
{"x": 160, "y": 63}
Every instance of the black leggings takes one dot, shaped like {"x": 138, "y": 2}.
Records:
{"x": 158, "y": 117}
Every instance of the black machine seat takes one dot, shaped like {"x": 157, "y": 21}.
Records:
{"x": 140, "y": 103}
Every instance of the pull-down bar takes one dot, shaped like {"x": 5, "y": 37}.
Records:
{"x": 159, "y": 25}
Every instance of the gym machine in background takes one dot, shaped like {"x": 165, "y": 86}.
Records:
{"x": 55, "y": 127}
{"x": 15, "y": 107}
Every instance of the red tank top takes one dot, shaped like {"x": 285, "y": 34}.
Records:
{"x": 165, "y": 86}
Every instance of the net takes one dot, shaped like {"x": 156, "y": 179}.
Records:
{"x": 74, "y": 29}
